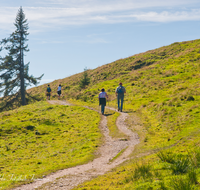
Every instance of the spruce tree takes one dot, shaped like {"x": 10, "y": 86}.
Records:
{"x": 85, "y": 79}
{"x": 14, "y": 77}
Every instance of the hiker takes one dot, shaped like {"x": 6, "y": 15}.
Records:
{"x": 102, "y": 100}
{"x": 59, "y": 91}
{"x": 120, "y": 96}
{"x": 48, "y": 92}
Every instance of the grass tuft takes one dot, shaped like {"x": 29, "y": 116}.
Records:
{"x": 181, "y": 184}
{"x": 180, "y": 165}
{"x": 143, "y": 170}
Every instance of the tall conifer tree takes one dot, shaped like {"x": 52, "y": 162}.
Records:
{"x": 14, "y": 77}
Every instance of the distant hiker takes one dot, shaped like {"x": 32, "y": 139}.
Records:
{"x": 59, "y": 91}
{"x": 102, "y": 100}
{"x": 48, "y": 92}
{"x": 120, "y": 96}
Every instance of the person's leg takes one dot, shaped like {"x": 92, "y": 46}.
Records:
{"x": 102, "y": 109}
{"x": 122, "y": 100}
{"x": 59, "y": 93}
{"x": 118, "y": 102}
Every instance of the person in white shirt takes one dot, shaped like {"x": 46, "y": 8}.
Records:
{"x": 102, "y": 100}
{"x": 59, "y": 91}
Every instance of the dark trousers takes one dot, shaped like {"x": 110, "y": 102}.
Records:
{"x": 120, "y": 99}
{"x": 102, "y": 102}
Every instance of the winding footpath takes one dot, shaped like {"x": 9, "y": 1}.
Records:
{"x": 71, "y": 177}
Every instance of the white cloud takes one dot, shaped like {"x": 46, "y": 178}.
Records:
{"x": 166, "y": 16}
{"x": 78, "y": 16}
{"x": 60, "y": 13}
{"x": 7, "y": 18}
{"x": 130, "y": 4}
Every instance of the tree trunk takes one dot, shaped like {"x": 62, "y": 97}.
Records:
{"x": 23, "y": 99}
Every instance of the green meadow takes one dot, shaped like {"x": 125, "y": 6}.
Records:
{"x": 41, "y": 138}
{"x": 162, "y": 101}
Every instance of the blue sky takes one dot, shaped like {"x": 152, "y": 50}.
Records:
{"x": 67, "y": 36}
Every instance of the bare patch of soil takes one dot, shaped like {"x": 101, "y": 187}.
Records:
{"x": 69, "y": 178}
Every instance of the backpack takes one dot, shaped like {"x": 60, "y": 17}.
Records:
{"x": 48, "y": 89}
{"x": 120, "y": 90}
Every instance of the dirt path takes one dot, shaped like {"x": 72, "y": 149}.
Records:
{"x": 71, "y": 177}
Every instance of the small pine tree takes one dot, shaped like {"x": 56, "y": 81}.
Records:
{"x": 85, "y": 79}
{"x": 14, "y": 77}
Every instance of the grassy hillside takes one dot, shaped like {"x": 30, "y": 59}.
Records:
{"x": 163, "y": 103}
{"x": 173, "y": 60}
{"x": 162, "y": 89}
{"x": 38, "y": 139}
{"x": 164, "y": 93}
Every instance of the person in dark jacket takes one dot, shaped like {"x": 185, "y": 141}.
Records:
{"x": 102, "y": 100}
{"x": 48, "y": 92}
{"x": 120, "y": 96}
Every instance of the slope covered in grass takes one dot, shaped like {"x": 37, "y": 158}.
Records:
{"x": 171, "y": 60}
{"x": 162, "y": 87}
{"x": 163, "y": 94}
{"x": 41, "y": 138}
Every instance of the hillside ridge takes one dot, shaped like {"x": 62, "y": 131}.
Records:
{"x": 120, "y": 69}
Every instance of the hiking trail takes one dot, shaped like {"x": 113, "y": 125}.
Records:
{"x": 71, "y": 177}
